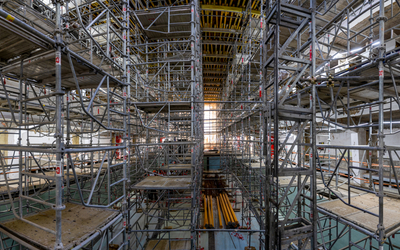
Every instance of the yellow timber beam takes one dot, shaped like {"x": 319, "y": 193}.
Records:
{"x": 226, "y": 9}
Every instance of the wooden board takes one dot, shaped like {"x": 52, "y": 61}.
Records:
{"x": 97, "y": 165}
{"x": 33, "y": 183}
{"x": 78, "y": 222}
{"x": 188, "y": 158}
{"x": 79, "y": 172}
{"x": 164, "y": 245}
{"x": 369, "y": 202}
{"x": 154, "y": 107}
{"x": 160, "y": 182}
{"x": 285, "y": 180}
{"x": 212, "y": 154}
{"x": 212, "y": 172}
{"x": 13, "y": 188}
{"x": 177, "y": 167}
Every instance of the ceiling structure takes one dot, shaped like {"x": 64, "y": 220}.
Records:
{"x": 221, "y": 23}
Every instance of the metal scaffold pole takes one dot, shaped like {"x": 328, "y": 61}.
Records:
{"x": 313, "y": 130}
{"x": 381, "y": 134}
{"x": 59, "y": 130}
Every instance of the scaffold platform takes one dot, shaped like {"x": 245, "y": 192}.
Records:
{"x": 367, "y": 202}
{"x": 177, "y": 167}
{"x": 166, "y": 244}
{"x": 161, "y": 182}
{"x": 78, "y": 221}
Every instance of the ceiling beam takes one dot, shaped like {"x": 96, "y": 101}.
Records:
{"x": 214, "y": 71}
{"x": 218, "y": 55}
{"x": 168, "y": 36}
{"x": 386, "y": 91}
{"x": 212, "y": 83}
{"x": 216, "y": 42}
{"x": 214, "y": 77}
{"x": 227, "y": 9}
{"x": 219, "y": 30}
{"x": 215, "y": 63}
{"x": 161, "y": 10}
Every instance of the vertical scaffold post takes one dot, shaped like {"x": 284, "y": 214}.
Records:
{"x": 381, "y": 136}
{"x": 128, "y": 128}
{"x": 58, "y": 133}
{"x": 126, "y": 96}
{"x": 192, "y": 86}
{"x": 275, "y": 220}
{"x": 313, "y": 131}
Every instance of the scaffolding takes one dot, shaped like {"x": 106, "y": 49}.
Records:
{"x": 168, "y": 130}
{"x": 64, "y": 90}
{"x": 326, "y": 77}
{"x": 358, "y": 75}
{"x": 118, "y": 85}
{"x": 289, "y": 218}
{"x": 106, "y": 103}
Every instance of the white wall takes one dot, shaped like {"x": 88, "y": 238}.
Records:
{"x": 392, "y": 140}
{"x": 345, "y": 138}
{"x": 291, "y": 139}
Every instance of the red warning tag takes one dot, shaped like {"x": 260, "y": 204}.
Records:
{"x": 58, "y": 168}
{"x": 58, "y": 58}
